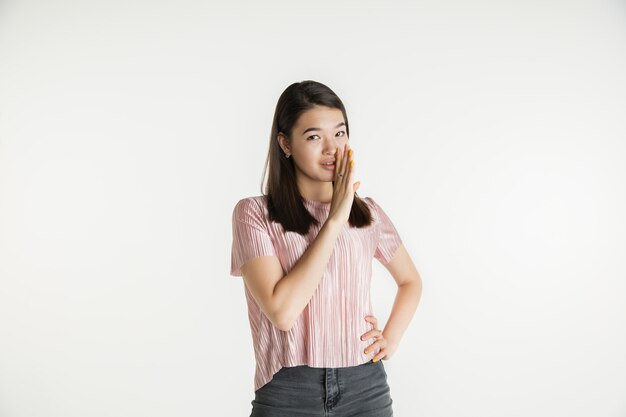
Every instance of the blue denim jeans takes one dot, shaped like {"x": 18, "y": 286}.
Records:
{"x": 300, "y": 391}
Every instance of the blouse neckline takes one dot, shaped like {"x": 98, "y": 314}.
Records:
{"x": 317, "y": 204}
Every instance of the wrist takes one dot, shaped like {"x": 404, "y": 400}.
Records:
{"x": 333, "y": 224}
{"x": 391, "y": 338}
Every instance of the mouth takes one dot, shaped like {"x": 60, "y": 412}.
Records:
{"x": 329, "y": 166}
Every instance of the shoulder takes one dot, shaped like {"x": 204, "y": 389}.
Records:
{"x": 253, "y": 206}
{"x": 371, "y": 203}
{"x": 378, "y": 213}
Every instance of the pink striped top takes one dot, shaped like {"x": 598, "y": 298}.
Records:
{"x": 327, "y": 332}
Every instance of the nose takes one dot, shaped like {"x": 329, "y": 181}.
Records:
{"x": 331, "y": 144}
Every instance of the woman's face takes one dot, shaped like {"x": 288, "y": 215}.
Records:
{"x": 316, "y": 135}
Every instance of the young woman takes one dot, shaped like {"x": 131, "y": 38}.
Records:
{"x": 304, "y": 249}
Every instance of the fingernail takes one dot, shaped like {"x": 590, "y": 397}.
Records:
{"x": 350, "y": 152}
{"x": 352, "y": 162}
{"x": 375, "y": 360}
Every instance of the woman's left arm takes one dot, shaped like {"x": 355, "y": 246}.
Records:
{"x": 409, "y": 293}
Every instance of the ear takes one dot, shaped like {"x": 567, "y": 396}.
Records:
{"x": 283, "y": 142}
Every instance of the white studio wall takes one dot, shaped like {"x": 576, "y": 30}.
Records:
{"x": 492, "y": 132}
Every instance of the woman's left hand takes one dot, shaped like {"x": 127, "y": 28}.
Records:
{"x": 387, "y": 347}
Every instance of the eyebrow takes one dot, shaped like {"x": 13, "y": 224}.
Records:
{"x": 317, "y": 128}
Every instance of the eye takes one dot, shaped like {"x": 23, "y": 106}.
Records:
{"x": 342, "y": 133}
{"x": 312, "y": 136}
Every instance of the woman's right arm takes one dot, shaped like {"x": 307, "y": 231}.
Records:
{"x": 283, "y": 297}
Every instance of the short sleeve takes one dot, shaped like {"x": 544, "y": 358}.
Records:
{"x": 250, "y": 235}
{"x": 388, "y": 237}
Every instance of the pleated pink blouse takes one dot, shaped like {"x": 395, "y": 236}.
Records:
{"x": 327, "y": 334}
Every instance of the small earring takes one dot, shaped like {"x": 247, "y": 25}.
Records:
{"x": 287, "y": 155}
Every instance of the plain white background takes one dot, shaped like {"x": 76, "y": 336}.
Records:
{"x": 491, "y": 132}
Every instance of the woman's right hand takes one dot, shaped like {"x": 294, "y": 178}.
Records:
{"x": 344, "y": 187}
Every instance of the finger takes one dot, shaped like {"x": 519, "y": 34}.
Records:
{"x": 342, "y": 166}
{"x": 337, "y": 162}
{"x": 369, "y": 335}
{"x": 350, "y": 175}
{"x": 349, "y": 163}
{"x": 379, "y": 344}
{"x": 380, "y": 355}
{"x": 372, "y": 320}
{"x": 345, "y": 161}
{"x": 372, "y": 347}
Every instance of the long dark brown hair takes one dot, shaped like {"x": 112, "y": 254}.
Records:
{"x": 284, "y": 202}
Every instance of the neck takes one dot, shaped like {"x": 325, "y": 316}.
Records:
{"x": 318, "y": 191}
